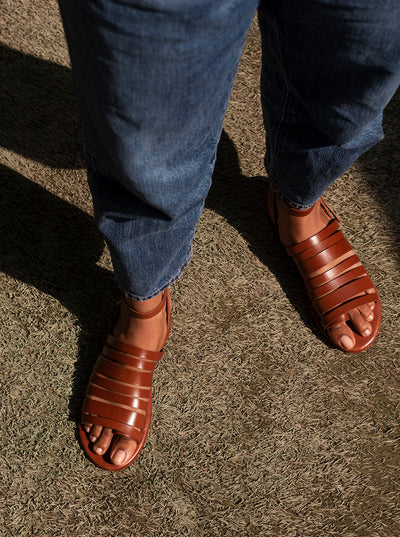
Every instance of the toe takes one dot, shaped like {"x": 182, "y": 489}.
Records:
{"x": 122, "y": 450}
{"x": 367, "y": 312}
{"x": 370, "y": 305}
{"x": 342, "y": 336}
{"x": 95, "y": 432}
{"x": 103, "y": 442}
{"x": 361, "y": 325}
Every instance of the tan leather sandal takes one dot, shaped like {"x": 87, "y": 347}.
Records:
{"x": 341, "y": 288}
{"x": 119, "y": 397}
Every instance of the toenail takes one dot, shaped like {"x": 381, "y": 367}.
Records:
{"x": 87, "y": 429}
{"x": 93, "y": 438}
{"x": 98, "y": 450}
{"x": 346, "y": 342}
{"x": 370, "y": 317}
{"x": 119, "y": 457}
{"x": 367, "y": 332}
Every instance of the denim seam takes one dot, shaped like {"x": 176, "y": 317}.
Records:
{"x": 276, "y": 147}
{"x": 275, "y": 168}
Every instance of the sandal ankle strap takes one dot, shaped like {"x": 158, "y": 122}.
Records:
{"x": 304, "y": 212}
{"x": 147, "y": 314}
{"x": 300, "y": 212}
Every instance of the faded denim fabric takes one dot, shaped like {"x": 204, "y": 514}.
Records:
{"x": 153, "y": 80}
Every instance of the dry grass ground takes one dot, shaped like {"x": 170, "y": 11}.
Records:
{"x": 259, "y": 427}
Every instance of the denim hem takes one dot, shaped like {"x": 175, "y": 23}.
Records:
{"x": 286, "y": 199}
{"x": 177, "y": 275}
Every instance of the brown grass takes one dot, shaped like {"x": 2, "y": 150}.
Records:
{"x": 259, "y": 427}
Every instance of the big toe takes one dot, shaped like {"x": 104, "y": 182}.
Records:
{"x": 122, "y": 450}
{"x": 342, "y": 336}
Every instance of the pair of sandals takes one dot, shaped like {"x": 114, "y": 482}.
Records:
{"x": 119, "y": 391}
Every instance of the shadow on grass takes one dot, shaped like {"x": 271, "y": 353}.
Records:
{"x": 242, "y": 201}
{"x": 381, "y": 165}
{"x": 39, "y": 117}
{"x": 45, "y": 241}
{"x": 54, "y": 246}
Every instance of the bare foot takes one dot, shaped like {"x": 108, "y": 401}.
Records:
{"x": 146, "y": 334}
{"x": 294, "y": 229}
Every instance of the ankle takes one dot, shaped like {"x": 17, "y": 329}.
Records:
{"x": 297, "y": 225}
{"x": 142, "y": 323}
{"x": 143, "y": 306}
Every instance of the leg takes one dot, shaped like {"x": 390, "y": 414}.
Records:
{"x": 329, "y": 68}
{"x": 153, "y": 80}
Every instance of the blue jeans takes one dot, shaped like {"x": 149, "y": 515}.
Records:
{"x": 153, "y": 81}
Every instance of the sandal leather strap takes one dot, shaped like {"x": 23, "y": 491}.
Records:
{"x": 118, "y": 395}
{"x": 340, "y": 288}
{"x": 147, "y": 314}
{"x": 331, "y": 318}
{"x": 137, "y": 352}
